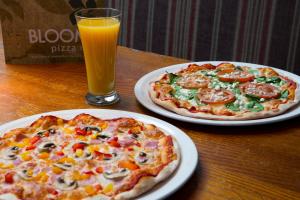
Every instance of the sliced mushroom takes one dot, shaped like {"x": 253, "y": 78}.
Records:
{"x": 142, "y": 158}
{"x": 41, "y": 133}
{"x": 23, "y": 174}
{"x": 101, "y": 136}
{"x": 52, "y": 131}
{"x": 88, "y": 155}
{"x": 63, "y": 166}
{"x": 46, "y": 146}
{"x": 92, "y": 128}
{"x": 65, "y": 183}
{"x": 116, "y": 175}
{"x": 10, "y": 153}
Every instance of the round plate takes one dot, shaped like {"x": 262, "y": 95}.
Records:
{"x": 143, "y": 85}
{"x": 189, "y": 154}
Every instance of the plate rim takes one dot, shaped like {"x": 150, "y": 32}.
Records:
{"x": 164, "y": 112}
{"x": 168, "y": 186}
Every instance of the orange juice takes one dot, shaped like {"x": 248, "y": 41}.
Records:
{"x": 99, "y": 40}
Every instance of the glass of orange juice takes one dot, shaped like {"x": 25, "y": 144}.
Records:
{"x": 99, "y": 29}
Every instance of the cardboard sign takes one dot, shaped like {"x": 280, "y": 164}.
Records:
{"x": 41, "y": 31}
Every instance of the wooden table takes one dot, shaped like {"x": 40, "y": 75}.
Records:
{"x": 259, "y": 162}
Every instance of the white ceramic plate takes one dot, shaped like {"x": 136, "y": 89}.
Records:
{"x": 143, "y": 85}
{"x": 189, "y": 155}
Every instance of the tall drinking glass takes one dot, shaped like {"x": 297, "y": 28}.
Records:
{"x": 99, "y": 29}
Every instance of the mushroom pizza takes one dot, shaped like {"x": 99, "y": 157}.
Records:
{"x": 84, "y": 158}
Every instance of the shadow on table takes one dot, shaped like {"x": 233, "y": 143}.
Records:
{"x": 193, "y": 185}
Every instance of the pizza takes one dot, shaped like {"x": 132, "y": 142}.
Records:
{"x": 84, "y": 158}
{"x": 225, "y": 92}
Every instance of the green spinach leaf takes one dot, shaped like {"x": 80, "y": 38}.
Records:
{"x": 239, "y": 68}
{"x": 284, "y": 94}
{"x": 173, "y": 78}
{"x": 252, "y": 97}
{"x": 261, "y": 79}
{"x": 273, "y": 80}
{"x": 254, "y": 106}
{"x": 232, "y": 106}
{"x": 236, "y": 90}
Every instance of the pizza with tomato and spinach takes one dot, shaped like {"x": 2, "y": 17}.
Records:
{"x": 225, "y": 92}
{"x": 84, "y": 158}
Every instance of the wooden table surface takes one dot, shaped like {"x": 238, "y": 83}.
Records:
{"x": 259, "y": 162}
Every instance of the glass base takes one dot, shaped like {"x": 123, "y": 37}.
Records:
{"x": 102, "y": 100}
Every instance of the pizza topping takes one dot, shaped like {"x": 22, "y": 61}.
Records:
{"x": 43, "y": 134}
{"x": 35, "y": 139}
{"x": 225, "y": 66}
{"x": 80, "y": 145}
{"x": 194, "y": 68}
{"x": 26, "y": 156}
{"x": 93, "y": 128}
{"x": 284, "y": 94}
{"x": 134, "y": 136}
{"x": 103, "y": 156}
{"x": 31, "y": 147}
{"x": 103, "y": 137}
{"x": 235, "y": 75}
{"x": 127, "y": 141}
{"x": 114, "y": 142}
{"x": 212, "y": 96}
{"x": 9, "y": 177}
{"x": 151, "y": 144}
{"x": 25, "y": 174}
{"x": 52, "y": 131}
{"x": 65, "y": 183}
{"x": 193, "y": 81}
{"x": 172, "y": 78}
{"x": 63, "y": 166}
{"x": 52, "y": 191}
{"x": 60, "y": 153}
{"x": 142, "y": 158}
{"x": 80, "y": 131}
{"x": 10, "y": 153}
{"x": 43, "y": 155}
{"x": 261, "y": 90}
{"x": 86, "y": 154}
{"x": 128, "y": 164}
{"x": 254, "y": 106}
{"x": 99, "y": 170}
{"x": 46, "y": 146}
{"x": 121, "y": 173}
{"x": 152, "y": 131}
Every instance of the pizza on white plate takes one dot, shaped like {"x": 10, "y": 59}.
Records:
{"x": 84, "y": 158}
{"x": 225, "y": 92}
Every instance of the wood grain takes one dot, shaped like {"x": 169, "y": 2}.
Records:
{"x": 259, "y": 162}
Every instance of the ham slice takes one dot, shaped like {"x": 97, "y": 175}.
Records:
{"x": 151, "y": 144}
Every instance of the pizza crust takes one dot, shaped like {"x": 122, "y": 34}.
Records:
{"x": 146, "y": 183}
{"x": 168, "y": 104}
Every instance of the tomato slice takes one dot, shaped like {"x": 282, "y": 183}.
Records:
{"x": 9, "y": 177}
{"x": 35, "y": 139}
{"x": 225, "y": 66}
{"x": 261, "y": 90}
{"x": 212, "y": 96}
{"x": 235, "y": 75}
{"x": 194, "y": 68}
{"x": 193, "y": 81}
{"x": 78, "y": 146}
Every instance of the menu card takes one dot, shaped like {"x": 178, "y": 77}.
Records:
{"x": 39, "y": 31}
